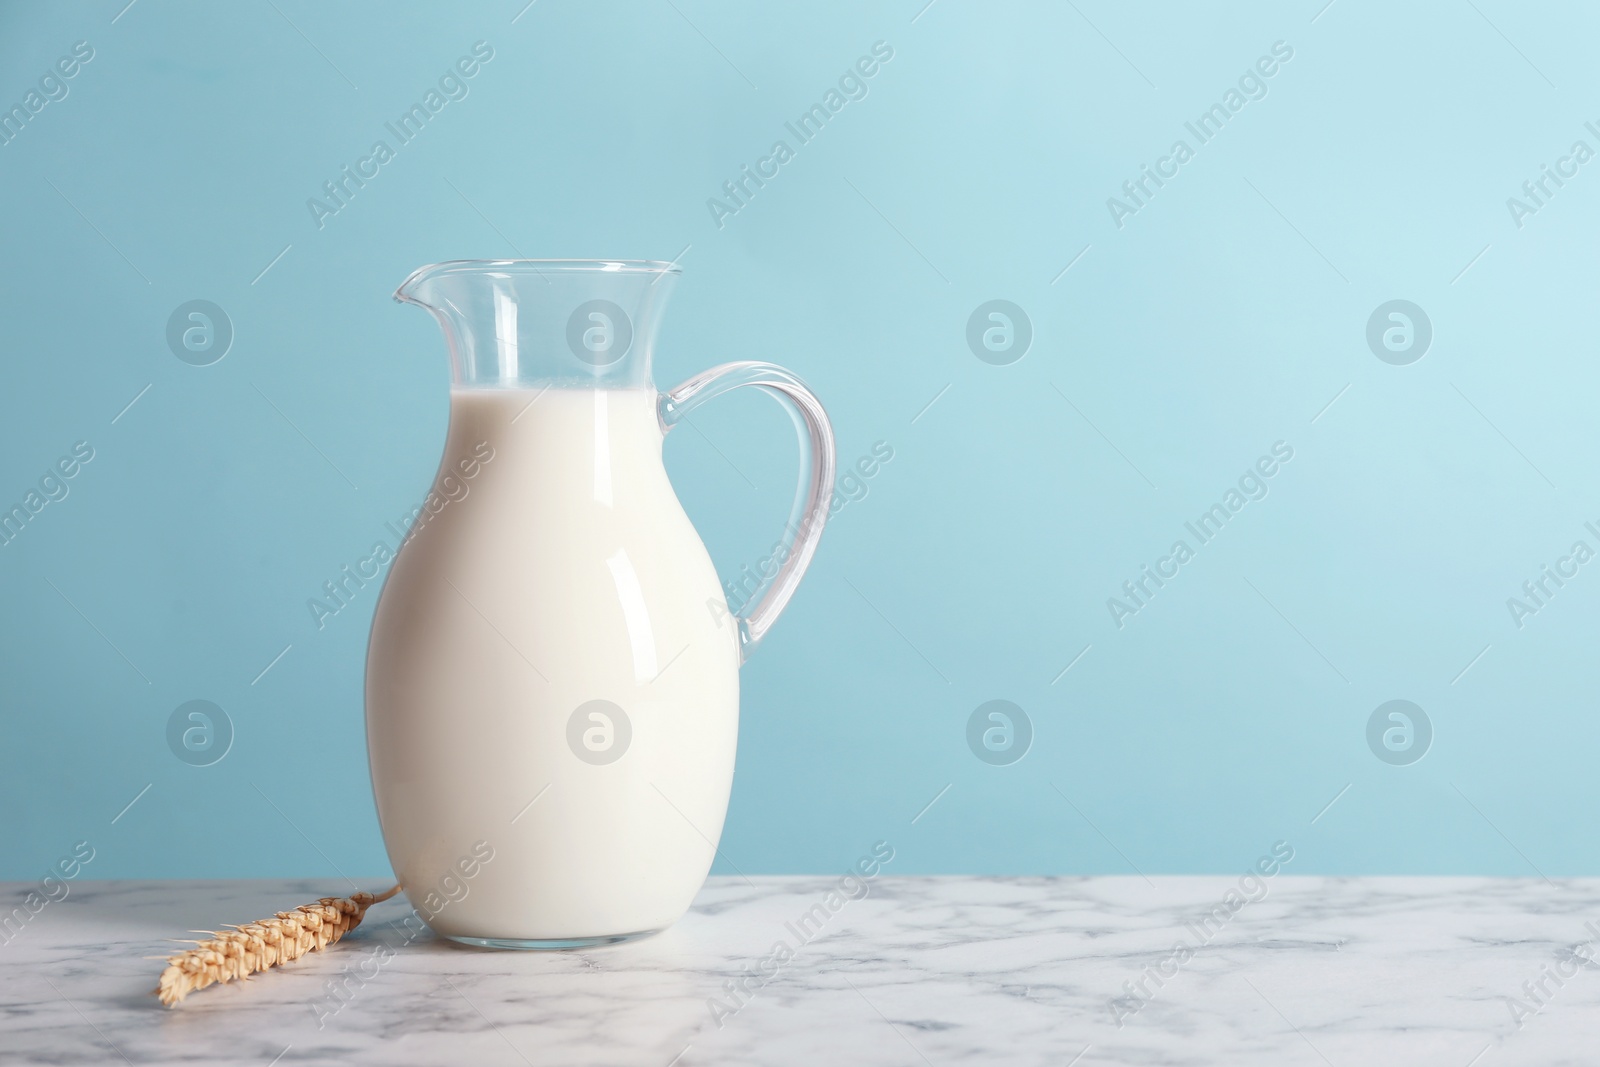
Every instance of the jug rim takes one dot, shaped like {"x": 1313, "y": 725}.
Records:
{"x": 533, "y": 266}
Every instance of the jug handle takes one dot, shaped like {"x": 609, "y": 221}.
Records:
{"x": 815, "y": 492}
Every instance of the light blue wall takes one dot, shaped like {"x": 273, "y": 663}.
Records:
{"x": 1223, "y": 316}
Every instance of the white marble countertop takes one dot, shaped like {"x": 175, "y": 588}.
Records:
{"x": 921, "y": 971}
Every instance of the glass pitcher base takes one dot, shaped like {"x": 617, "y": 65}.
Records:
{"x": 550, "y": 944}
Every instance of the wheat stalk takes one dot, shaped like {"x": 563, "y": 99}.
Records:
{"x": 243, "y": 950}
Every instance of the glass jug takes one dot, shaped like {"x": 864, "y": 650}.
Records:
{"x": 552, "y": 689}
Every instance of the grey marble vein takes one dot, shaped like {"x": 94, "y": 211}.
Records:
{"x": 922, "y": 971}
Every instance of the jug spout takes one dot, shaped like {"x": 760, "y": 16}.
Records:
{"x": 533, "y": 323}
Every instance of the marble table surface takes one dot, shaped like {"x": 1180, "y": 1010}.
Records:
{"x": 1456, "y": 972}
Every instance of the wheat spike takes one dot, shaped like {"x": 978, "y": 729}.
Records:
{"x": 240, "y": 952}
